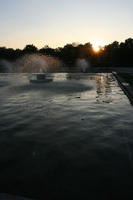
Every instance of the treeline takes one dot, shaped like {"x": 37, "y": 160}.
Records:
{"x": 112, "y": 55}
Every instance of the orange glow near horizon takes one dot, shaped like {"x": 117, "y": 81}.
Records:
{"x": 96, "y": 47}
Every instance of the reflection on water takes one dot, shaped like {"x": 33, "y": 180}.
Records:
{"x": 70, "y": 136}
{"x": 63, "y": 82}
{"x": 104, "y": 90}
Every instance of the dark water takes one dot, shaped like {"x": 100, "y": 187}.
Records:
{"x": 72, "y": 137}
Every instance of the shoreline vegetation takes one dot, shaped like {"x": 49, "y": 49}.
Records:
{"x": 112, "y": 55}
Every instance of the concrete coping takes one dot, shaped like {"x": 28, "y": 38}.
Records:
{"x": 128, "y": 90}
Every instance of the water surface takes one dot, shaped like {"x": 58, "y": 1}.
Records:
{"x": 68, "y": 138}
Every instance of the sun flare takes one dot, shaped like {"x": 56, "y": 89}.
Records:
{"x": 96, "y": 47}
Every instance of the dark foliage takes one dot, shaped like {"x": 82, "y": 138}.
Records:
{"x": 113, "y": 55}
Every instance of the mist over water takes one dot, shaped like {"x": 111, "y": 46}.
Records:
{"x": 34, "y": 63}
{"x": 38, "y": 63}
{"x": 6, "y": 66}
{"x": 82, "y": 65}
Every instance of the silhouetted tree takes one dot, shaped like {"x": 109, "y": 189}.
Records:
{"x": 112, "y": 55}
{"x": 46, "y": 50}
{"x": 30, "y": 48}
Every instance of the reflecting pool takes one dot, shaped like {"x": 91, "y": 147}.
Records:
{"x": 72, "y": 137}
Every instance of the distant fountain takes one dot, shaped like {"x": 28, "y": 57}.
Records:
{"x": 33, "y": 63}
{"x": 82, "y": 65}
{"x": 37, "y": 63}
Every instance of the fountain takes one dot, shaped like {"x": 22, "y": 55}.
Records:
{"x": 83, "y": 65}
{"x": 41, "y": 78}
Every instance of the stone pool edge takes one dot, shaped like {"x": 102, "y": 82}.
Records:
{"x": 127, "y": 89}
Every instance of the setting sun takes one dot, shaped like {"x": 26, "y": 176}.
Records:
{"x": 96, "y": 47}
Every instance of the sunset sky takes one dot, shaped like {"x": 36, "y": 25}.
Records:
{"x": 58, "y": 22}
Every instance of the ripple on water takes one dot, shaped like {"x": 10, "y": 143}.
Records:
{"x": 75, "y": 129}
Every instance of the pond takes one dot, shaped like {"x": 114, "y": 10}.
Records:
{"x": 71, "y": 137}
